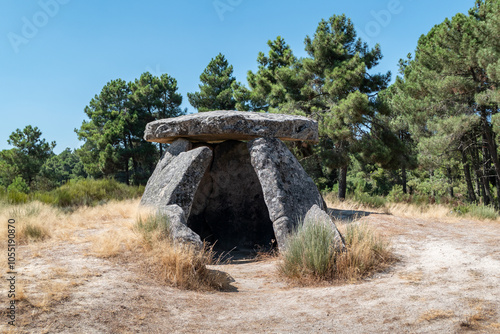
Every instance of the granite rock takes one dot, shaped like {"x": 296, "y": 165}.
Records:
{"x": 316, "y": 215}
{"x": 179, "y": 231}
{"x": 288, "y": 191}
{"x": 216, "y": 126}
{"x": 176, "y": 181}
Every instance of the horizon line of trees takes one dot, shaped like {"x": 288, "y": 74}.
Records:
{"x": 434, "y": 132}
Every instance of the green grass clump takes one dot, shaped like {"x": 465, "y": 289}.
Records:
{"x": 309, "y": 252}
{"x": 475, "y": 211}
{"x": 310, "y": 255}
{"x": 35, "y": 232}
{"x": 153, "y": 227}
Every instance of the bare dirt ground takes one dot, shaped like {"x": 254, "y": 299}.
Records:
{"x": 447, "y": 281}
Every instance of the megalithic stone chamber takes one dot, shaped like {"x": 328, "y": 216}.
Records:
{"x": 227, "y": 178}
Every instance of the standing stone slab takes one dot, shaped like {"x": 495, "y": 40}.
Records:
{"x": 220, "y": 125}
{"x": 154, "y": 185}
{"x": 177, "y": 180}
{"x": 289, "y": 192}
{"x": 179, "y": 230}
{"x": 317, "y": 216}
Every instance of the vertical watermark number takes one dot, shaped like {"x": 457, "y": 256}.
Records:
{"x": 11, "y": 272}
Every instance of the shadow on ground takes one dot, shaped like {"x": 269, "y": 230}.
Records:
{"x": 348, "y": 216}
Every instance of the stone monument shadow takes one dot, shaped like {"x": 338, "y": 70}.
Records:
{"x": 349, "y": 216}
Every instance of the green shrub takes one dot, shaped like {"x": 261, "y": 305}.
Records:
{"x": 476, "y": 211}
{"x": 17, "y": 197}
{"x": 19, "y": 185}
{"x": 370, "y": 201}
{"x": 396, "y": 195}
{"x": 89, "y": 192}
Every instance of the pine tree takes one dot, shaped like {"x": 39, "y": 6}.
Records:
{"x": 29, "y": 153}
{"x": 332, "y": 85}
{"x": 450, "y": 92}
{"x": 215, "y": 88}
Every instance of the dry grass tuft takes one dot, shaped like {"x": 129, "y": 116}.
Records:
{"x": 311, "y": 256}
{"x": 186, "y": 267}
{"x": 52, "y": 292}
{"x": 432, "y": 211}
{"x": 367, "y": 253}
{"x": 414, "y": 277}
{"x": 111, "y": 243}
{"x": 34, "y": 221}
{"x": 435, "y": 315}
{"x": 481, "y": 314}
{"x": 181, "y": 265}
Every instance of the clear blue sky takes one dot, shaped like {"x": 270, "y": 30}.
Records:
{"x": 57, "y": 54}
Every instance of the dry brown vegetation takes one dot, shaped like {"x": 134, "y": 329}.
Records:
{"x": 93, "y": 272}
{"x": 181, "y": 265}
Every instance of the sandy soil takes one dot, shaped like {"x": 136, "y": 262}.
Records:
{"x": 447, "y": 281}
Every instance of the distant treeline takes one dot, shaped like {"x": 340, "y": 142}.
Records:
{"x": 430, "y": 136}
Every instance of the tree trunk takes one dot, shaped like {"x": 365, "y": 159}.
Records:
{"x": 470, "y": 188}
{"x": 481, "y": 193}
{"x": 127, "y": 174}
{"x": 135, "y": 164}
{"x": 342, "y": 182}
{"x": 488, "y": 138}
{"x": 403, "y": 177}
{"x": 450, "y": 182}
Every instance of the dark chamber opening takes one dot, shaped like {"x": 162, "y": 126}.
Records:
{"x": 228, "y": 208}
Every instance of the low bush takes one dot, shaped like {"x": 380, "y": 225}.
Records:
{"x": 16, "y": 197}
{"x": 88, "y": 192}
{"x": 396, "y": 195}
{"x": 76, "y": 192}
{"x": 310, "y": 255}
{"x": 374, "y": 202}
{"x": 476, "y": 211}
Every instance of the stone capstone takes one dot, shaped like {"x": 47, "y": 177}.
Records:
{"x": 216, "y": 126}
{"x": 316, "y": 215}
{"x": 288, "y": 191}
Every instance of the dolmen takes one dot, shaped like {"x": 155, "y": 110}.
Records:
{"x": 228, "y": 179}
